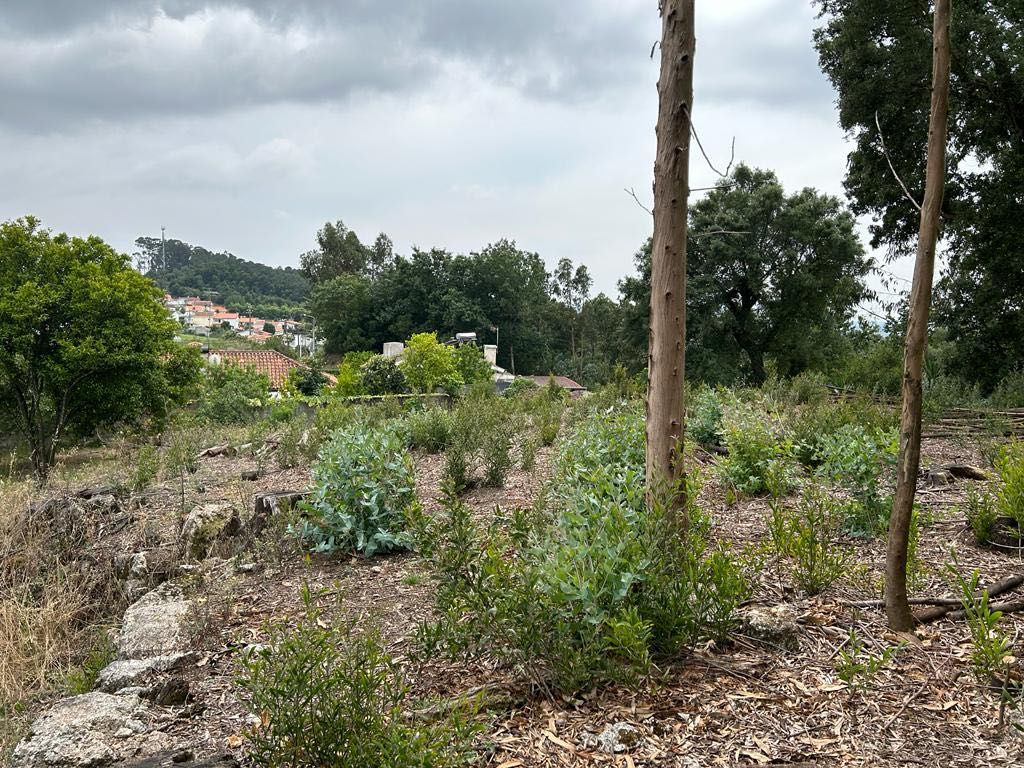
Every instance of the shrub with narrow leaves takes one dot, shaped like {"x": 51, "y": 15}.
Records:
{"x": 328, "y": 696}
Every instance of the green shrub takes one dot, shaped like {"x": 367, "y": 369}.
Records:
{"x": 496, "y": 451}
{"x": 592, "y": 583}
{"x": 806, "y": 535}
{"x": 482, "y": 432}
{"x": 182, "y": 456}
{"x": 981, "y": 514}
{"x": 429, "y": 365}
{"x": 1009, "y": 393}
{"x": 990, "y": 646}
{"x": 307, "y": 380}
{"x": 145, "y": 468}
{"x": 363, "y": 490}
{"x": 82, "y": 678}
{"x": 430, "y": 429}
{"x": 942, "y": 393}
{"x": 548, "y": 418}
{"x": 295, "y": 442}
{"x": 350, "y": 380}
{"x": 528, "y": 454}
{"x": 809, "y": 387}
{"x": 760, "y": 459}
{"x": 704, "y": 417}
{"x": 382, "y": 376}
{"x": 233, "y": 394}
{"x": 520, "y": 386}
{"x": 857, "y": 666}
{"x": 471, "y": 365}
{"x": 1009, "y": 494}
{"x": 811, "y": 423}
{"x": 328, "y": 696}
{"x": 855, "y": 459}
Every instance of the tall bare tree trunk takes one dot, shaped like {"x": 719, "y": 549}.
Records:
{"x": 897, "y": 608}
{"x": 667, "y": 349}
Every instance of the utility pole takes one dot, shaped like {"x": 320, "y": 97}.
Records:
{"x": 163, "y": 247}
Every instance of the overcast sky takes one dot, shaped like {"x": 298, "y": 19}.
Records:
{"x": 243, "y": 126}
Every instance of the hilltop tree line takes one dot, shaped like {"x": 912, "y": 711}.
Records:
{"x": 241, "y": 286}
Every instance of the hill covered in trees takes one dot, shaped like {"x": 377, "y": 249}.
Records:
{"x": 240, "y": 285}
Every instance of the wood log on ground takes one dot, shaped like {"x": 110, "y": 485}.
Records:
{"x": 943, "y": 606}
{"x": 939, "y": 611}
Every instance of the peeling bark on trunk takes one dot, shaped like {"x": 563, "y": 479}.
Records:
{"x": 897, "y": 608}
{"x": 667, "y": 349}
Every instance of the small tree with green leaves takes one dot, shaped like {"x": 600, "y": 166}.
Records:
{"x": 472, "y": 366}
{"x": 83, "y": 339}
{"x": 429, "y": 365}
{"x": 382, "y": 376}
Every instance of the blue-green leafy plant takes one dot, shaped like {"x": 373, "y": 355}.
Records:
{"x": 363, "y": 492}
{"x": 593, "y": 583}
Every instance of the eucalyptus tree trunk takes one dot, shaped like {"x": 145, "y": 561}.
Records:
{"x": 667, "y": 348}
{"x": 897, "y": 608}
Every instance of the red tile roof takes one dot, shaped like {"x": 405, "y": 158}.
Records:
{"x": 269, "y": 361}
{"x": 562, "y": 381}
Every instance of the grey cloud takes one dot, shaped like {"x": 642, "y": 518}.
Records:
{"x": 117, "y": 61}
{"x": 765, "y": 58}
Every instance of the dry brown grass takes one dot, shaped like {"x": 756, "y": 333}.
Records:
{"x": 52, "y": 597}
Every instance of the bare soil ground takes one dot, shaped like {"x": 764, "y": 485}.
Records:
{"x": 741, "y": 704}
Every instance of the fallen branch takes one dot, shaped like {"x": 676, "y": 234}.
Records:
{"x": 1007, "y": 584}
{"x": 1010, "y": 606}
{"x": 945, "y": 605}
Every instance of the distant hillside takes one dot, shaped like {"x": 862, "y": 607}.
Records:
{"x": 240, "y": 285}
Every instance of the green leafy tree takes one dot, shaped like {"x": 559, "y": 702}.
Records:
{"x": 339, "y": 252}
{"x": 600, "y": 333}
{"x": 308, "y": 379}
{"x": 877, "y": 53}
{"x": 635, "y": 307}
{"x": 350, "y": 379}
{"x": 571, "y": 287}
{"x": 343, "y": 309}
{"x": 770, "y": 275}
{"x": 82, "y": 339}
{"x": 429, "y": 365}
{"x": 382, "y": 376}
